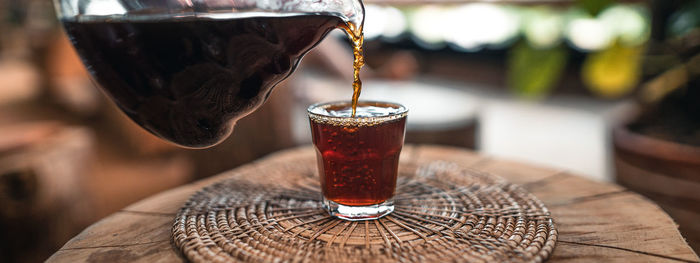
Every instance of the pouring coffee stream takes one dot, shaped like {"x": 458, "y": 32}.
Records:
{"x": 187, "y": 77}
{"x": 357, "y": 41}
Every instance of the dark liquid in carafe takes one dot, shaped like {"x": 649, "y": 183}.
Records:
{"x": 187, "y": 80}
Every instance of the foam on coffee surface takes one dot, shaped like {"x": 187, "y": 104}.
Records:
{"x": 367, "y": 113}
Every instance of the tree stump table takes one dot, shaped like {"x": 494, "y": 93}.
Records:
{"x": 596, "y": 222}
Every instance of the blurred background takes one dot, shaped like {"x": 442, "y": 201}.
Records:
{"x": 605, "y": 89}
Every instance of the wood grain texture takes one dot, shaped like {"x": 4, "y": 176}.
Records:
{"x": 596, "y": 221}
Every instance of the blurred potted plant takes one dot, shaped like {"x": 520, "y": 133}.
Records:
{"x": 657, "y": 149}
{"x": 609, "y": 39}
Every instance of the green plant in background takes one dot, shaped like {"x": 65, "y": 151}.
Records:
{"x": 612, "y": 36}
{"x": 616, "y": 70}
{"x": 540, "y": 40}
{"x": 594, "y": 7}
{"x": 533, "y": 72}
{"x": 685, "y": 21}
{"x": 674, "y": 61}
{"x": 536, "y": 63}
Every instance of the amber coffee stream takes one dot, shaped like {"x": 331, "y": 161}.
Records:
{"x": 188, "y": 80}
{"x": 358, "y": 62}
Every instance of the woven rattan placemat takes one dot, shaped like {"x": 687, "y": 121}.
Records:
{"x": 444, "y": 212}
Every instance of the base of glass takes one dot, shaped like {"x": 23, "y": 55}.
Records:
{"x": 358, "y": 213}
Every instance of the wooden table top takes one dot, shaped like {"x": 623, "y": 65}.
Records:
{"x": 596, "y": 221}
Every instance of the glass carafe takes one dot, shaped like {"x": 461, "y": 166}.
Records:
{"x": 187, "y": 70}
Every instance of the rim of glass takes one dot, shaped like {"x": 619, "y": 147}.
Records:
{"x": 356, "y": 121}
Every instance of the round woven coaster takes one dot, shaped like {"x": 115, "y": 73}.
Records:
{"x": 443, "y": 212}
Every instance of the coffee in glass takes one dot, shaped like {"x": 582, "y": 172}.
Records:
{"x": 358, "y": 156}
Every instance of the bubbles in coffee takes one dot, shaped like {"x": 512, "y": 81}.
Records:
{"x": 358, "y": 155}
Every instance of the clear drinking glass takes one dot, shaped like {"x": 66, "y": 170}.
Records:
{"x": 358, "y": 156}
{"x": 187, "y": 70}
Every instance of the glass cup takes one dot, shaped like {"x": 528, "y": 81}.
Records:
{"x": 358, "y": 157}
